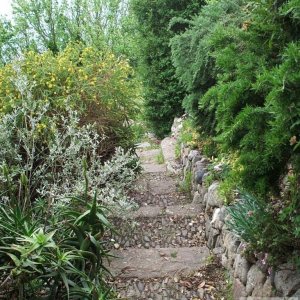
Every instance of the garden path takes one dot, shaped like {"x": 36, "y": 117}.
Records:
{"x": 161, "y": 249}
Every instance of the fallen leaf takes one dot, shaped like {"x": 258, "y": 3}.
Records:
{"x": 186, "y": 283}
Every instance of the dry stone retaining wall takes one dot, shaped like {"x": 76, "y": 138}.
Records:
{"x": 250, "y": 280}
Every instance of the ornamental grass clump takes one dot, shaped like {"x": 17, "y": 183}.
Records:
{"x": 266, "y": 229}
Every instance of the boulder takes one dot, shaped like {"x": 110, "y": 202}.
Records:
{"x": 287, "y": 279}
{"x": 195, "y": 160}
{"x": 297, "y": 294}
{"x": 194, "y": 154}
{"x": 255, "y": 279}
{"x": 212, "y": 238}
{"x": 198, "y": 199}
{"x": 184, "y": 155}
{"x": 187, "y": 167}
{"x": 207, "y": 226}
{"x": 200, "y": 166}
{"x": 218, "y": 218}
{"x": 205, "y": 200}
{"x": 231, "y": 244}
{"x": 198, "y": 177}
{"x": 239, "y": 290}
{"x": 213, "y": 197}
{"x": 268, "y": 290}
{"x": 218, "y": 251}
{"x": 168, "y": 145}
{"x": 177, "y": 126}
{"x": 219, "y": 242}
{"x": 241, "y": 268}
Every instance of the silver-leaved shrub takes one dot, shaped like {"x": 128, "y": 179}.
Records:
{"x": 47, "y": 150}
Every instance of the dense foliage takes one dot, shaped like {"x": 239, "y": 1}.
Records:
{"x": 55, "y": 196}
{"x": 243, "y": 84}
{"x": 63, "y": 113}
{"x": 193, "y": 59}
{"x": 67, "y": 100}
{"x": 163, "y": 93}
{"x": 238, "y": 62}
{"x": 100, "y": 86}
{"x": 40, "y": 25}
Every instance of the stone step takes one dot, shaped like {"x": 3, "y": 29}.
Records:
{"x": 157, "y": 263}
{"x": 158, "y": 189}
{"x": 149, "y": 156}
{"x": 173, "y": 210}
{"x": 156, "y": 289}
{"x": 147, "y": 199}
{"x": 154, "y": 168}
{"x": 160, "y": 231}
{"x": 205, "y": 284}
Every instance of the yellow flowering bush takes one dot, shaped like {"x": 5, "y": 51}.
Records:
{"x": 99, "y": 85}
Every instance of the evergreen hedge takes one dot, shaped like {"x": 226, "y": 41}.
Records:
{"x": 238, "y": 62}
{"x": 163, "y": 92}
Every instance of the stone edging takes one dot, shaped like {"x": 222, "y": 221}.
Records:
{"x": 249, "y": 279}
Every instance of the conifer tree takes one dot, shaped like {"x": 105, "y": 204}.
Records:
{"x": 163, "y": 92}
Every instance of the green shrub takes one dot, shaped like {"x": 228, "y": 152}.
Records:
{"x": 58, "y": 255}
{"x": 188, "y": 134}
{"x": 192, "y": 55}
{"x": 238, "y": 63}
{"x": 57, "y": 143}
{"x": 163, "y": 93}
{"x": 97, "y": 84}
{"x": 242, "y": 85}
{"x": 56, "y": 194}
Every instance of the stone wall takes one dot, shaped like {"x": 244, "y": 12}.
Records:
{"x": 251, "y": 280}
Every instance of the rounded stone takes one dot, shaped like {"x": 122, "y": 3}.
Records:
{"x": 146, "y": 239}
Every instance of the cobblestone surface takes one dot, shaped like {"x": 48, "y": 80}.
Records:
{"x": 206, "y": 283}
{"x": 160, "y": 232}
{"x": 156, "y": 289}
{"x": 158, "y": 189}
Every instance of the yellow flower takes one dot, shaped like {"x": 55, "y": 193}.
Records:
{"x": 40, "y": 127}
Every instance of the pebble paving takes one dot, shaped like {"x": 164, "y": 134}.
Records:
{"x": 160, "y": 232}
{"x": 161, "y": 249}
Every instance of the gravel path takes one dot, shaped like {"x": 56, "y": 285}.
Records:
{"x": 160, "y": 249}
